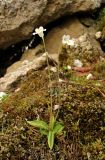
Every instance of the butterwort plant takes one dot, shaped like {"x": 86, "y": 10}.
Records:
{"x": 54, "y": 127}
{"x": 50, "y": 130}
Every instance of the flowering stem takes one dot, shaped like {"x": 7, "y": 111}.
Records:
{"x": 44, "y": 46}
{"x": 58, "y": 69}
{"x": 51, "y": 110}
{"x": 49, "y": 75}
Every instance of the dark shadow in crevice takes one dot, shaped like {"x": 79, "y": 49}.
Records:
{"x": 13, "y": 53}
{"x": 103, "y": 45}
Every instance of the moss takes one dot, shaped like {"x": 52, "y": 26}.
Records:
{"x": 101, "y": 19}
{"x": 83, "y": 119}
{"x": 99, "y": 70}
{"x": 100, "y": 23}
{"x": 82, "y": 112}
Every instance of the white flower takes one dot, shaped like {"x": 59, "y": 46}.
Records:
{"x": 89, "y": 76}
{"x": 2, "y": 95}
{"x": 71, "y": 43}
{"x": 78, "y": 63}
{"x": 98, "y": 35}
{"x": 39, "y": 31}
{"x": 65, "y": 39}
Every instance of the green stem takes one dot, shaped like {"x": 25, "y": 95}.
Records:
{"x": 59, "y": 101}
{"x": 49, "y": 76}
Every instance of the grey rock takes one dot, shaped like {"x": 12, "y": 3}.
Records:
{"x": 19, "y": 69}
{"x": 18, "y": 18}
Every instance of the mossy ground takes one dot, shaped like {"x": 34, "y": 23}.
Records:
{"x": 82, "y": 113}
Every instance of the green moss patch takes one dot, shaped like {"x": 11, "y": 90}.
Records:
{"x": 82, "y": 113}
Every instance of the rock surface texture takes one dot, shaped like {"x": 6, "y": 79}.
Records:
{"x": 21, "y": 68}
{"x": 18, "y": 18}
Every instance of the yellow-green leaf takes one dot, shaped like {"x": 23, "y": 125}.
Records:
{"x": 52, "y": 122}
{"x": 44, "y": 132}
{"x": 39, "y": 124}
{"x": 50, "y": 139}
{"x": 58, "y": 128}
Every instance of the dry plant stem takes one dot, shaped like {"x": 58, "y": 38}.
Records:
{"x": 51, "y": 112}
{"x": 101, "y": 92}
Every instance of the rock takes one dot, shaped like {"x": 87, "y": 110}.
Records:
{"x": 86, "y": 49}
{"x": 87, "y": 21}
{"x": 19, "y": 69}
{"x": 18, "y": 18}
{"x": 58, "y": 8}
{"x": 67, "y": 27}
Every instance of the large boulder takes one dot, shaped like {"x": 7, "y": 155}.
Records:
{"x": 18, "y": 18}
